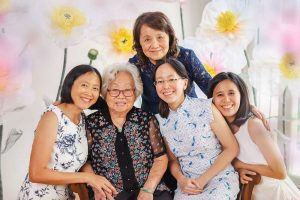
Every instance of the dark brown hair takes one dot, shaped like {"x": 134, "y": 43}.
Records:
{"x": 77, "y": 71}
{"x": 158, "y": 21}
{"x": 163, "y": 107}
{"x": 244, "y": 111}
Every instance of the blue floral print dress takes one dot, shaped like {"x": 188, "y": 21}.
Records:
{"x": 70, "y": 152}
{"x": 190, "y": 138}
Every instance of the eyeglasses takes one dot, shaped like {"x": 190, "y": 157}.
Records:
{"x": 170, "y": 81}
{"x": 116, "y": 92}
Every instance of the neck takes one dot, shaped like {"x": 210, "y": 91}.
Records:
{"x": 118, "y": 119}
{"x": 71, "y": 111}
{"x": 175, "y": 105}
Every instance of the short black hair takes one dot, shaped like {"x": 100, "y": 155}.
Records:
{"x": 77, "y": 71}
{"x": 180, "y": 69}
{"x": 244, "y": 111}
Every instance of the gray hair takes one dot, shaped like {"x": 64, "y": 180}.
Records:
{"x": 111, "y": 72}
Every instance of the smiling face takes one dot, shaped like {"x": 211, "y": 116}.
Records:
{"x": 226, "y": 97}
{"x": 121, "y": 104}
{"x": 170, "y": 86}
{"x": 155, "y": 43}
{"x": 85, "y": 90}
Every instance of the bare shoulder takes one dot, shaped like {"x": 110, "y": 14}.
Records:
{"x": 257, "y": 130}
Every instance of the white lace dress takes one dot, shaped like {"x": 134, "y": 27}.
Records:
{"x": 268, "y": 188}
{"x": 196, "y": 147}
{"x": 69, "y": 153}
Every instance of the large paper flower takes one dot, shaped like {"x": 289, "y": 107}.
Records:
{"x": 66, "y": 22}
{"x": 115, "y": 41}
{"x": 217, "y": 59}
{"x": 228, "y": 22}
{"x": 15, "y": 77}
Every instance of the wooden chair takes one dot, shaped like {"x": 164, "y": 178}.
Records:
{"x": 246, "y": 189}
{"x": 81, "y": 190}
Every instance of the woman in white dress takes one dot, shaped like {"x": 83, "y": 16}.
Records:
{"x": 200, "y": 145}
{"x": 258, "y": 152}
{"x": 60, "y": 144}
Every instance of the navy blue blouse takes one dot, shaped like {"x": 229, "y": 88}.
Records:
{"x": 195, "y": 69}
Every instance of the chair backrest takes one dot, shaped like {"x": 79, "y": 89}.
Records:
{"x": 246, "y": 189}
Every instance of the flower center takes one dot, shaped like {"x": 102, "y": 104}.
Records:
{"x": 66, "y": 18}
{"x": 227, "y": 22}
{"x": 289, "y": 66}
{"x": 210, "y": 69}
{"x": 122, "y": 40}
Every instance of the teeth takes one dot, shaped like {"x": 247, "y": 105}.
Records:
{"x": 86, "y": 99}
{"x": 227, "y": 106}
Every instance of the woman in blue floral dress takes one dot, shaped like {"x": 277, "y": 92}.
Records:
{"x": 200, "y": 145}
{"x": 60, "y": 147}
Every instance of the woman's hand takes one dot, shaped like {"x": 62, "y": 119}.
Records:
{"x": 189, "y": 186}
{"x": 145, "y": 196}
{"x": 200, "y": 182}
{"x": 244, "y": 175}
{"x": 102, "y": 195}
{"x": 102, "y": 185}
{"x": 260, "y": 116}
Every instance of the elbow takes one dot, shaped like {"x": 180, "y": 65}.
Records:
{"x": 33, "y": 176}
{"x": 281, "y": 174}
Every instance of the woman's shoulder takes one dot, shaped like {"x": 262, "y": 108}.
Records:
{"x": 184, "y": 52}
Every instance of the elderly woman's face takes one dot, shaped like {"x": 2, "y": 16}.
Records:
{"x": 155, "y": 43}
{"x": 120, "y": 95}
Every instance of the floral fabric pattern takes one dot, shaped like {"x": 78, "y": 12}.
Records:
{"x": 192, "y": 141}
{"x": 194, "y": 67}
{"x": 69, "y": 153}
{"x": 144, "y": 142}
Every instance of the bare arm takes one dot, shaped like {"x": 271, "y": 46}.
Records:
{"x": 41, "y": 153}
{"x": 229, "y": 144}
{"x": 262, "y": 138}
{"x": 187, "y": 186}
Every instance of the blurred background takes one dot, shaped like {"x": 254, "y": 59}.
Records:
{"x": 39, "y": 40}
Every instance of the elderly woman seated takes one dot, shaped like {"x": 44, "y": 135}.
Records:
{"x": 126, "y": 146}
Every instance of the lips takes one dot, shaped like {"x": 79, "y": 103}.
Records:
{"x": 227, "y": 106}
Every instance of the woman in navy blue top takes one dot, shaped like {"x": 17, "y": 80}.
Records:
{"x": 154, "y": 39}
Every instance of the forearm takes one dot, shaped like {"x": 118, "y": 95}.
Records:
{"x": 52, "y": 177}
{"x": 223, "y": 160}
{"x": 265, "y": 170}
{"x": 175, "y": 169}
{"x": 156, "y": 172}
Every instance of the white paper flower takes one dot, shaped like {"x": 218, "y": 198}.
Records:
{"x": 228, "y": 22}
{"x": 115, "y": 41}
{"x": 66, "y": 22}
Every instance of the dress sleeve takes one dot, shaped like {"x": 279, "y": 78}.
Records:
{"x": 156, "y": 140}
{"x": 198, "y": 73}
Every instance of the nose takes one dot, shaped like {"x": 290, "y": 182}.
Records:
{"x": 166, "y": 84}
{"x": 226, "y": 98}
{"x": 154, "y": 43}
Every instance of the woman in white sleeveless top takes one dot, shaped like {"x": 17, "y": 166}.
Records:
{"x": 60, "y": 146}
{"x": 258, "y": 152}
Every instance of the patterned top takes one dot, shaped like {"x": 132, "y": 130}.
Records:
{"x": 70, "y": 152}
{"x": 191, "y": 139}
{"x": 125, "y": 164}
{"x": 195, "y": 70}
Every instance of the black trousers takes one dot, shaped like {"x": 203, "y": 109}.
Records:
{"x": 158, "y": 195}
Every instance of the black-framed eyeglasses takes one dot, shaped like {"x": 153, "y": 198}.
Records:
{"x": 170, "y": 81}
{"x": 116, "y": 92}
